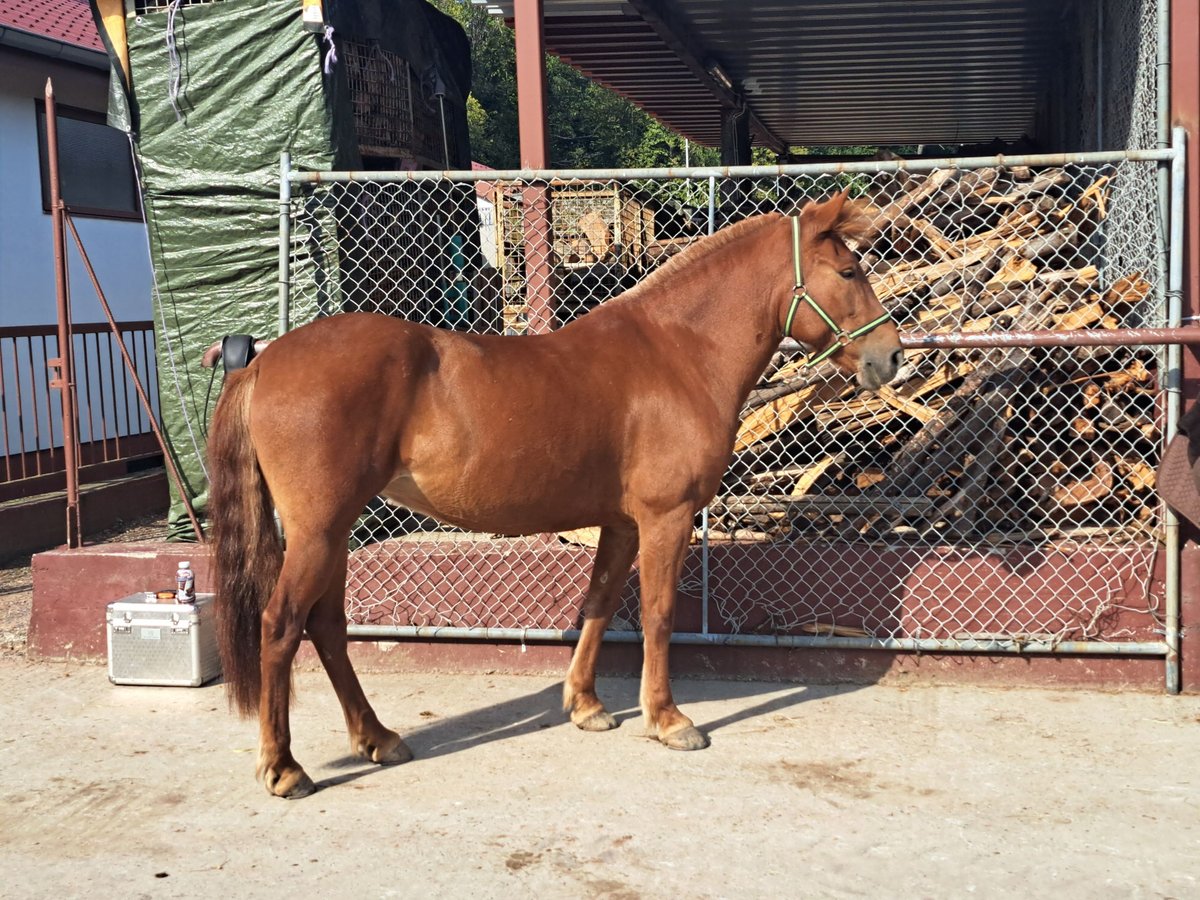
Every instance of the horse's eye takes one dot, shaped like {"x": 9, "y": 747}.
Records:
{"x": 847, "y": 273}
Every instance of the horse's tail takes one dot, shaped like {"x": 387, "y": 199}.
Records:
{"x": 247, "y": 549}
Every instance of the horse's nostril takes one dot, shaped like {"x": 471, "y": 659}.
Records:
{"x": 897, "y": 360}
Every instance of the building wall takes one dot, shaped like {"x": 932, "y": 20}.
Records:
{"x": 117, "y": 248}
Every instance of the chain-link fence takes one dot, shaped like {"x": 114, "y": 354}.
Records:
{"x": 1106, "y": 93}
{"x": 987, "y": 498}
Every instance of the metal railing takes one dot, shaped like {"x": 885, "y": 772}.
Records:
{"x": 112, "y": 426}
{"x": 997, "y": 497}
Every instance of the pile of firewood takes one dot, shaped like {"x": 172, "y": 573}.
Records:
{"x": 1003, "y": 445}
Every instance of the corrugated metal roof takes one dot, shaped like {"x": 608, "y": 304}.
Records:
{"x": 819, "y": 72}
{"x": 68, "y": 21}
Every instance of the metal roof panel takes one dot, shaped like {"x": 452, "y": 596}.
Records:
{"x": 825, "y": 72}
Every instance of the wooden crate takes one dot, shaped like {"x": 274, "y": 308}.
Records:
{"x": 593, "y": 223}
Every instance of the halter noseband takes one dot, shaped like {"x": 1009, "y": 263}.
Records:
{"x": 841, "y": 337}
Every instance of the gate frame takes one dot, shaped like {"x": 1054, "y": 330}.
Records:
{"x": 1172, "y": 165}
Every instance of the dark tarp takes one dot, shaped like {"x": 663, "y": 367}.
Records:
{"x": 210, "y": 118}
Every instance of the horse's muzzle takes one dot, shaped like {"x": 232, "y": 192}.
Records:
{"x": 876, "y": 370}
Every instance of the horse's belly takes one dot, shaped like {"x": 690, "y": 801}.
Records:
{"x": 504, "y": 503}
{"x": 403, "y": 491}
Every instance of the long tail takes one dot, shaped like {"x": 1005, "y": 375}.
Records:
{"x": 248, "y": 551}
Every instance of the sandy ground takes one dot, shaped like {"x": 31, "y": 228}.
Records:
{"x": 16, "y": 580}
{"x": 16, "y": 601}
{"x": 877, "y": 791}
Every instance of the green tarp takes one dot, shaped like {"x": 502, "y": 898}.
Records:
{"x": 218, "y": 91}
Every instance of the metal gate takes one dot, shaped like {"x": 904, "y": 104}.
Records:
{"x": 998, "y": 496}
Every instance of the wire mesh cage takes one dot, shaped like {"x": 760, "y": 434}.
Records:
{"x": 990, "y": 495}
{"x": 381, "y": 89}
{"x": 398, "y": 114}
{"x": 605, "y": 238}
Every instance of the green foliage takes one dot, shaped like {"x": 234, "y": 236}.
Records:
{"x": 492, "y": 105}
{"x": 590, "y": 126}
{"x": 660, "y": 147}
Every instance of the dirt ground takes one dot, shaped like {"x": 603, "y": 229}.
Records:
{"x": 111, "y": 791}
{"x": 16, "y": 580}
{"x": 118, "y": 791}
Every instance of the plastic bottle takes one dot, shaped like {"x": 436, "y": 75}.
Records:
{"x": 185, "y": 583}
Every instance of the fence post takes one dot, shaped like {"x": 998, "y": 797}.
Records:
{"x": 537, "y": 228}
{"x": 1174, "y": 383}
{"x": 63, "y": 363}
{"x": 704, "y": 560}
{"x": 285, "y": 241}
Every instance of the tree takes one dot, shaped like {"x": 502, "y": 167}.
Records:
{"x": 590, "y": 126}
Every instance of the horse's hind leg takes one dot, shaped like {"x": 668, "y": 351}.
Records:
{"x": 614, "y": 556}
{"x": 309, "y": 565}
{"x": 327, "y": 628}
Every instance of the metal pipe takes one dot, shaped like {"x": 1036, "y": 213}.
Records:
{"x": 1079, "y": 337}
{"x": 1174, "y": 383}
{"x": 168, "y": 459}
{"x": 660, "y": 174}
{"x": 1163, "y": 72}
{"x": 445, "y": 137}
{"x": 64, "y": 363}
{"x": 285, "y": 241}
{"x": 530, "y": 51}
{"x": 1170, "y": 203}
{"x": 965, "y": 340}
{"x": 536, "y": 233}
{"x": 921, "y": 645}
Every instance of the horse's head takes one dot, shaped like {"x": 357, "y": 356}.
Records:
{"x": 833, "y": 309}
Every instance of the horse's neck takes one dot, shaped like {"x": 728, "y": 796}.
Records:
{"x": 725, "y": 311}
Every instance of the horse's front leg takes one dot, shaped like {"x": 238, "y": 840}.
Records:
{"x": 614, "y": 556}
{"x": 664, "y": 542}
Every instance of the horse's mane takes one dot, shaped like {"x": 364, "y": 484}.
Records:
{"x": 853, "y": 224}
{"x": 701, "y": 250}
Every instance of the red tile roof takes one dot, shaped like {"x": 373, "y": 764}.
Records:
{"x": 69, "y": 21}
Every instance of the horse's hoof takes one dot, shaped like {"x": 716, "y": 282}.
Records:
{"x": 391, "y": 751}
{"x": 601, "y": 720}
{"x": 291, "y": 784}
{"x": 689, "y": 738}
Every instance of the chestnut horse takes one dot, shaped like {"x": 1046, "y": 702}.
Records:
{"x": 624, "y": 419}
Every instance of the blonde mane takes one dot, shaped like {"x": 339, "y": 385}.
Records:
{"x": 693, "y": 254}
{"x": 853, "y": 224}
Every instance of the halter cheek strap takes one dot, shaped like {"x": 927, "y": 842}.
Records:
{"x": 841, "y": 337}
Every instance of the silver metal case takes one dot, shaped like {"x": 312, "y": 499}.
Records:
{"x": 164, "y": 642}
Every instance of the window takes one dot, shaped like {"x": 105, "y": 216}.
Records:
{"x": 95, "y": 168}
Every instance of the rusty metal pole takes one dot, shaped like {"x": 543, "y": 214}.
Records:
{"x": 168, "y": 459}
{"x": 535, "y": 154}
{"x": 64, "y": 380}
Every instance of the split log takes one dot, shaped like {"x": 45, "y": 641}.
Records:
{"x": 1039, "y": 185}
{"x": 810, "y": 475}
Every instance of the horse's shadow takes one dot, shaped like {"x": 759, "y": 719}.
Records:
{"x": 521, "y": 716}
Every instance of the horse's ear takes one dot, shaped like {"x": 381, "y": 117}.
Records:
{"x": 840, "y": 216}
{"x": 823, "y": 217}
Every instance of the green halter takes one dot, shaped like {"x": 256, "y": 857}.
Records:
{"x": 841, "y": 337}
